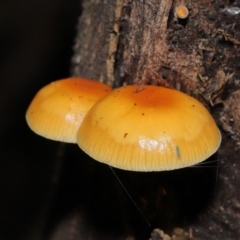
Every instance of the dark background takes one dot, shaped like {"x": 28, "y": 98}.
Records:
{"x": 36, "y": 39}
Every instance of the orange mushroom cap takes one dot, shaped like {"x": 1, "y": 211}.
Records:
{"x": 181, "y": 12}
{"x": 58, "y": 109}
{"x": 148, "y": 128}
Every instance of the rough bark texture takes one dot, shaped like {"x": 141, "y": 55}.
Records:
{"x": 142, "y": 42}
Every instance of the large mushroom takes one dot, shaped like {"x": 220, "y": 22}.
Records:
{"x": 148, "y": 128}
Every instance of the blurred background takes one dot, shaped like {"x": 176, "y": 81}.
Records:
{"x": 36, "y": 39}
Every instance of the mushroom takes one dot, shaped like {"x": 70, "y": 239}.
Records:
{"x": 58, "y": 109}
{"x": 181, "y": 12}
{"x": 148, "y": 128}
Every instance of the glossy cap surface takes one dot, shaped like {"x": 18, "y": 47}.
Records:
{"x": 58, "y": 109}
{"x": 148, "y": 128}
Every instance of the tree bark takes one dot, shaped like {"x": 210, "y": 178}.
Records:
{"x": 143, "y": 42}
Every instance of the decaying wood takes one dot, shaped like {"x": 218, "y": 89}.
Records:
{"x": 124, "y": 42}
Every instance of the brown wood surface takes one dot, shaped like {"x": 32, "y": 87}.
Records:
{"x": 142, "y": 42}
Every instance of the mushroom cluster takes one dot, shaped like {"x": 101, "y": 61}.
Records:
{"x": 137, "y": 128}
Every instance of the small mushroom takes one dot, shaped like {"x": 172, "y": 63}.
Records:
{"x": 58, "y": 109}
{"x": 181, "y": 12}
{"x": 148, "y": 128}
